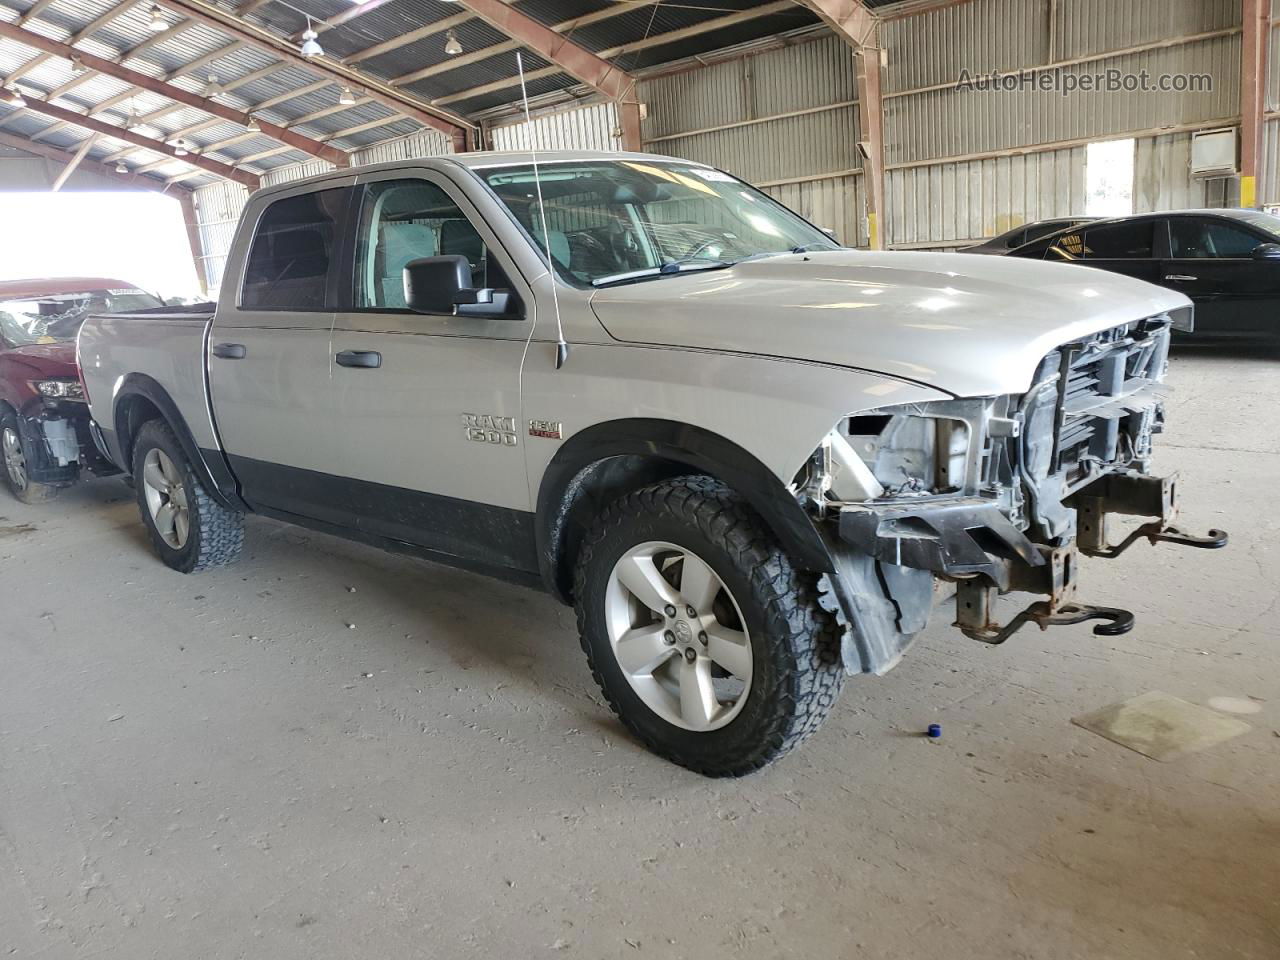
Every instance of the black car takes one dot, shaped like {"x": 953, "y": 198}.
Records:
{"x": 1226, "y": 261}
{"x": 1016, "y": 237}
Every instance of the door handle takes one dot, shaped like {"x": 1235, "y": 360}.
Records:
{"x": 229, "y": 351}
{"x": 359, "y": 358}
{"x": 1179, "y": 276}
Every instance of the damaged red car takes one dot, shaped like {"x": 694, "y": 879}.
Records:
{"x": 45, "y": 432}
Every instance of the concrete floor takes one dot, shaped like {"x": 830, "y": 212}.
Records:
{"x": 218, "y": 766}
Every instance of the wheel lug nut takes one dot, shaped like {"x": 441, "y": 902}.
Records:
{"x": 670, "y": 610}
{"x": 691, "y": 612}
{"x": 690, "y": 655}
{"x": 702, "y": 638}
{"x": 669, "y": 638}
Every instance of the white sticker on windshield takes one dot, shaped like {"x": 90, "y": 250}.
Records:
{"x": 716, "y": 175}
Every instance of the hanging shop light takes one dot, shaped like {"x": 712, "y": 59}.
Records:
{"x": 121, "y": 168}
{"x": 180, "y": 148}
{"x": 253, "y": 126}
{"x": 346, "y": 97}
{"x": 212, "y": 87}
{"x": 157, "y": 23}
{"x": 452, "y": 46}
{"x": 310, "y": 45}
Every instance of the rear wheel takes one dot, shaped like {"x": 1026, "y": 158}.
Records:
{"x": 708, "y": 644}
{"x": 189, "y": 530}
{"x": 16, "y": 464}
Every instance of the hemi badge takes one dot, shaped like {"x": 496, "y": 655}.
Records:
{"x": 547, "y": 429}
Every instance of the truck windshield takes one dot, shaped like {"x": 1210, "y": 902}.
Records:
{"x": 619, "y": 221}
{"x": 56, "y": 317}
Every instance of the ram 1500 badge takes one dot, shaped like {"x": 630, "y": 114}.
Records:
{"x": 746, "y": 455}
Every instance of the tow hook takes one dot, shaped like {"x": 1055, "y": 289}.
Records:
{"x": 1157, "y": 532}
{"x": 1042, "y": 614}
{"x": 976, "y": 599}
{"x": 1134, "y": 495}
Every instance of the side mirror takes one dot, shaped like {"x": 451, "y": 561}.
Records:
{"x": 1266, "y": 251}
{"x": 442, "y": 285}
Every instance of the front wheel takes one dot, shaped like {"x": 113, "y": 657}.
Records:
{"x": 188, "y": 529}
{"x": 17, "y": 461}
{"x": 707, "y": 642}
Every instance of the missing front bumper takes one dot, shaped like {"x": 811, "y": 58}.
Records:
{"x": 971, "y": 542}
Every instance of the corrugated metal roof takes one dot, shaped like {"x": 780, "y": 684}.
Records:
{"x": 118, "y": 34}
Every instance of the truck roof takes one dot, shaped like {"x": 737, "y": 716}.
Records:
{"x": 480, "y": 160}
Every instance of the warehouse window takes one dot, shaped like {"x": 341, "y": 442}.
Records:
{"x": 1108, "y": 178}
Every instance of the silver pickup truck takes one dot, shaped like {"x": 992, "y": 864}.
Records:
{"x": 753, "y": 460}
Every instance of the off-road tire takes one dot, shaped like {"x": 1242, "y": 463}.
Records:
{"x": 797, "y": 674}
{"x": 31, "y": 492}
{"x": 216, "y": 533}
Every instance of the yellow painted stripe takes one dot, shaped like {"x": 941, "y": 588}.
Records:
{"x": 1248, "y": 191}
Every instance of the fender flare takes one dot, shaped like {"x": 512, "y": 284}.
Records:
{"x": 681, "y": 444}
{"x": 212, "y": 471}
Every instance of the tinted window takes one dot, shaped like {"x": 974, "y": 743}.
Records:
{"x": 1200, "y": 239}
{"x": 1117, "y": 241}
{"x": 404, "y": 220}
{"x": 1120, "y": 241}
{"x": 291, "y": 253}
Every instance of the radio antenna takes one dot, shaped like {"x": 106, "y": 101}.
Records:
{"x": 562, "y": 346}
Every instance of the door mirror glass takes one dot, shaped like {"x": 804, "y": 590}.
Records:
{"x": 1267, "y": 251}
{"x": 442, "y": 285}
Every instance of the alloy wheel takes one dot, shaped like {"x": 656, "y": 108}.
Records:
{"x": 678, "y": 636}
{"x": 166, "y": 498}
{"x": 15, "y": 461}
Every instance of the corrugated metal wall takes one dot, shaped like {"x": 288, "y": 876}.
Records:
{"x": 954, "y": 202}
{"x": 981, "y": 183}
{"x": 785, "y": 119}
{"x": 594, "y": 127}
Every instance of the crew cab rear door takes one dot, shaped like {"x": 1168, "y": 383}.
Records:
{"x": 424, "y": 421}
{"x": 269, "y": 357}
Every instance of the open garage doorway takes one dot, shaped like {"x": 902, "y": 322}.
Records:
{"x": 1108, "y": 178}
{"x": 128, "y": 235}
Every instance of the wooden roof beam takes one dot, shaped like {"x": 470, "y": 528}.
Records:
{"x": 63, "y": 156}
{"x": 128, "y": 136}
{"x": 177, "y": 94}
{"x": 235, "y": 26}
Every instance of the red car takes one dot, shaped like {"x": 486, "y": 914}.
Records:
{"x": 45, "y": 437}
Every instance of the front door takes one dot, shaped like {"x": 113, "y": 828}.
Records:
{"x": 425, "y": 409}
{"x": 1212, "y": 263}
{"x": 269, "y": 356}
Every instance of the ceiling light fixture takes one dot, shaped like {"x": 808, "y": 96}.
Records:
{"x": 212, "y": 87}
{"x": 121, "y": 168}
{"x": 77, "y": 67}
{"x": 346, "y": 97}
{"x": 452, "y": 46}
{"x": 253, "y": 126}
{"x": 179, "y": 148}
{"x": 157, "y": 23}
{"x": 310, "y": 48}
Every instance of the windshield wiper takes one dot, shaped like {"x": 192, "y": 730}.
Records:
{"x": 671, "y": 266}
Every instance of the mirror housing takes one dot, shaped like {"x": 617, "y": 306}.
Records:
{"x": 1266, "y": 251}
{"x": 442, "y": 285}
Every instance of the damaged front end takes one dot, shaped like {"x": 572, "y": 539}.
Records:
{"x": 995, "y": 495}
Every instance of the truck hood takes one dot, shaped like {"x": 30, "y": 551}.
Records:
{"x": 48, "y": 360}
{"x": 970, "y": 326}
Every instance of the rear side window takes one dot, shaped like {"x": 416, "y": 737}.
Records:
{"x": 1117, "y": 241}
{"x": 292, "y": 253}
{"x": 1120, "y": 241}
